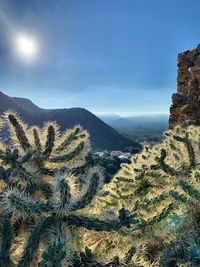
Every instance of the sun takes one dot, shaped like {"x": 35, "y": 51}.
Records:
{"x": 26, "y": 46}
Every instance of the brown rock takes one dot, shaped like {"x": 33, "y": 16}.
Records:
{"x": 192, "y": 54}
{"x": 193, "y": 90}
{"x": 179, "y": 100}
{"x": 175, "y": 111}
{"x": 185, "y": 108}
{"x": 182, "y": 88}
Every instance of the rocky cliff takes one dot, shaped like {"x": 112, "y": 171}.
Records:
{"x": 185, "y": 108}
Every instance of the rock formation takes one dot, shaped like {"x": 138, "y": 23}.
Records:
{"x": 185, "y": 108}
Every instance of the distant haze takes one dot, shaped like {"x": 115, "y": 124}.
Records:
{"x": 133, "y": 114}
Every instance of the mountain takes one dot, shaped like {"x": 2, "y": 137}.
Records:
{"x": 120, "y": 122}
{"x": 109, "y": 118}
{"x": 26, "y": 104}
{"x": 102, "y": 136}
{"x": 139, "y": 120}
{"x": 141, "y": 128}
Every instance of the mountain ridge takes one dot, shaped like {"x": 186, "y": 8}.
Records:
{"x": 103, "y": 136}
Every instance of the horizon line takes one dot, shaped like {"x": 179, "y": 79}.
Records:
{"x": 132, "y": 114}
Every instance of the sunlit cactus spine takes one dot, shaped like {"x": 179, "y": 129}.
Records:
{"x": 46, "y": 184}
{"x": 158, "y": 187}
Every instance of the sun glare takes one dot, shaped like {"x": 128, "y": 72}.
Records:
{"x": 26, "y": 47}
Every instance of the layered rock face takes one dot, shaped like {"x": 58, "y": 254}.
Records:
{"x": 185, "y": 108}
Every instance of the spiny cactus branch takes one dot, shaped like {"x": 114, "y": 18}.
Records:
{"x": 21, "y": 204}
{"x": 99, "y": 225}
{"x": 69, "y": 156}
{"x": 20, "y": 134}
{"x": 90, "y": 193}
{"x": 73, "y": 136}
{"x": 6, "y": 242}
{"x": 189, "y": 148}
{"x": 50, "y": 142}
{"x": 33, "y": 241}
{"x": 37, "y": 140}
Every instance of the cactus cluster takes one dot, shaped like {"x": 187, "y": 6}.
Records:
{"x": 160, "y": 188}
{"x": 47, "y": 182}
{"x": 55, "y": 210}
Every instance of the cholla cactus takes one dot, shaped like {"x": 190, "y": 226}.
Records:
{"x": 46, "y": 183}
{"x": 158, "y": 188}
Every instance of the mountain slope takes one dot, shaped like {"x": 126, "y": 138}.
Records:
{"x": 103, "y": 136}
{"x": 26, "y": 104}
{"x": 7, "y": 103}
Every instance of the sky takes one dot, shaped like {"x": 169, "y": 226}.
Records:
{"x": 108, "y": 56}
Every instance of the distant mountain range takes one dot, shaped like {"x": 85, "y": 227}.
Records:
{"x": 140, "y": 128}
{"x": 139, "y": 120}
{"x": 102, "y": 136}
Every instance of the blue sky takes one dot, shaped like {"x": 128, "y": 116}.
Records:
{"x": 109, "y": 56}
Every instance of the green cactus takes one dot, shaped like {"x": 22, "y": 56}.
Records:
{"x": 46, "y": 184}
{"x": 158, "y": 188}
